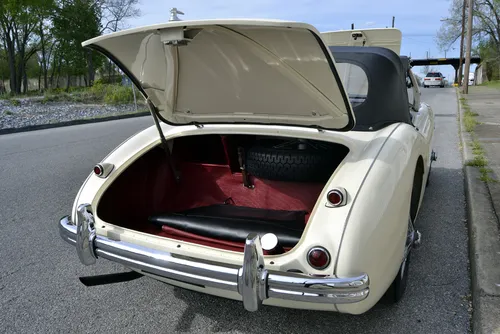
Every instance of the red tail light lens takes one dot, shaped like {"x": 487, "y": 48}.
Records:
{"x": 98, "y": 170}
{"x": 318, "y": 258}
{"x": 335, "y": 197}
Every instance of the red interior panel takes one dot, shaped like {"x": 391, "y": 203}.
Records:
{"x": 207, "y": 177}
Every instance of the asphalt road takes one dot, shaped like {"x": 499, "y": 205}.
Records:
{"x": 40, "y": 173}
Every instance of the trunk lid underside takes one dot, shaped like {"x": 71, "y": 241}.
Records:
{"x": 233, "y": 71}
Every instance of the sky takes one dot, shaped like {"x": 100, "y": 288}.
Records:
{"x": 418, "y": 21}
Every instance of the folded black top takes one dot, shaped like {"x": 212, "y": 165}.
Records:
{"x": 234, "y": 223}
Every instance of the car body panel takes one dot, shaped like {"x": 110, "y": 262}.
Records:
{"x": 362, "y": 145}
{"x": 233, "y": 71}
{"x": 341, "y": 230}
{"x": 389, "y": 38}
{"x": 366, "y": 235}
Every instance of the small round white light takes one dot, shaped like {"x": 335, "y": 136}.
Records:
{"x": 269, "y": 241}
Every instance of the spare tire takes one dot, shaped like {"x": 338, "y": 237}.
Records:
{"x": 291, "y": 164}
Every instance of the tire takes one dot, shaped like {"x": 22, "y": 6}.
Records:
{"x": 398, "y": 287}
{"x": 290, "y": 164}
{"x": 428, "y": 176}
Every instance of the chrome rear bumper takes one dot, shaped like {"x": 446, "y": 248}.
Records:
{"x": 251, "y": 280}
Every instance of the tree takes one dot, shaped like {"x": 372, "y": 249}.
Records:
{"x": 76, "y": 21}
{"x": 114, "y": 14}
{"x": 18, "y": 21}
{"x": 485, "y": 30}
{"x": 4, "y": 69}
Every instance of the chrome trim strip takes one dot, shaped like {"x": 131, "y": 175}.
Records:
{"x": 252, "y": 281}
{"x": 67, "y": 230}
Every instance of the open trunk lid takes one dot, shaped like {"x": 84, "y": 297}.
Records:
{"x": 233, "y": 71}
{"x": 389, "y": 38}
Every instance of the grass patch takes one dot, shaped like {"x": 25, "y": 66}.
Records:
{"x": 470, "y": 121}
{"x": 486, "y": 175}
{"x": 476, "y": 147}
{"x": 99, "y": 93}
{"x": 15, "y": 103}
{"x": 480, "y": 161}
{"x": 491, "y": 84}
{"x": 8, "y": 113}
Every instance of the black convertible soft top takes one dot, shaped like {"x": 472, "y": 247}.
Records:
{"x": 386, "y": 101}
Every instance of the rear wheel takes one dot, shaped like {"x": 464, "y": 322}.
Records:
{"x": 398, "y": 287}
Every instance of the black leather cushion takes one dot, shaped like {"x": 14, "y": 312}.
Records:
{"x": 234, "y": 223}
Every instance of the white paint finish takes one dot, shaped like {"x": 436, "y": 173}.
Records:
{"x": 365, "y": 235}
{"x": 264, "y": 72}
{"x": 363, "y": 146}
{"x": 389, "y": 38}
{"x": 378, "y": 172}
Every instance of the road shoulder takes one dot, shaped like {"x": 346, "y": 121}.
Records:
{"x": 72, "y": 122}
{"x": 484, "y": 241}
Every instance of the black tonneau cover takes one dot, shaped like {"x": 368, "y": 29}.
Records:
{"x": 387, "y": 99}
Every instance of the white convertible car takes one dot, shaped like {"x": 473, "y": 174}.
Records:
{"x": 286, "y": 167}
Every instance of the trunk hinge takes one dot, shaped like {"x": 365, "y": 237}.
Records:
{"x": 241, "y": 160}
{"x": 164, "y": 143}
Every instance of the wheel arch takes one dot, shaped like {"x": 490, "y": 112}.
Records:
{"x": 418, "y": 178}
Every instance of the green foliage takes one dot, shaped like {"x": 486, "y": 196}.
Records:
{"x": 74, "y": 22}
{"x": 32, "y": 67}
{"x": 46, "y": 36}
{"x": 469, "y": 120}
{"x": 18, "y": 22}
{"x": 4, "y": 65}
{"x": 99, "y": 93}
{"x": 117, "y": 94}
{"x": 485, "y": 32}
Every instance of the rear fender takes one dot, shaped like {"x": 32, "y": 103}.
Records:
{"x": 375, "y": 232}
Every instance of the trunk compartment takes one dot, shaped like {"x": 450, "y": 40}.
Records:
{"x": 210, "y": 204}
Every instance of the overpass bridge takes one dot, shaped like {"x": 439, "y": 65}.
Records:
{"x": 455, "y": 62}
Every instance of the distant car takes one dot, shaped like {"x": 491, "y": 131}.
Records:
{"x": 434, "y": 79}
{"x": 281, "y": 170}
{"x": 471, "y": 79}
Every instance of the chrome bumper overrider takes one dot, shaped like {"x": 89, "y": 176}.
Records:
{"x": 252, "y": 280}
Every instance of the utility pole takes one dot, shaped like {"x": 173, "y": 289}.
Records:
{"x": 460, "y": 66}
{"x": 469, "y": 47}
{"x": 393, "y": 18}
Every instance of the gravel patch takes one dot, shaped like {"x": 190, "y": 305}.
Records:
{"x": 30, "y": 111}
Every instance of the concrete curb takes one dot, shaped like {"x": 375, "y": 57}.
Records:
{"x": 73, "y": 122}
{"x": 484, "y": 243}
